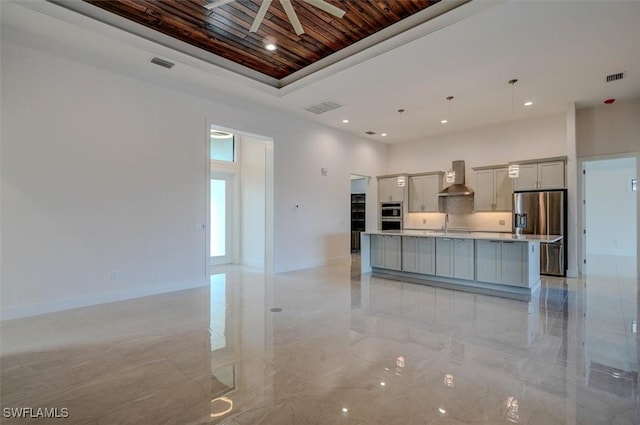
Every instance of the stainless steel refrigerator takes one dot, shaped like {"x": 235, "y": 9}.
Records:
{"x": 544, "y": 213}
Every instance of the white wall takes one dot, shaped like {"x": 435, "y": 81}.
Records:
{"x": 252, "y": 200}
{"x": 607, "y": 183}
{"x": 104, "y": 172}
{"x": 491, "y": 145}
{"x": 609, "y": 129}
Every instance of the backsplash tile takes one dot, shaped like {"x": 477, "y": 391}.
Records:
{"x": 461, "y": 216}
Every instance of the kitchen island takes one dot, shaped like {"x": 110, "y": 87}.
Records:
{"x": 501, "y": 264}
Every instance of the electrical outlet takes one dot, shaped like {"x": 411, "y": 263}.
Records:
{"x": 502, "y": 222}
{"x": 424, "y": 221}
{"x": 115, "y": 275}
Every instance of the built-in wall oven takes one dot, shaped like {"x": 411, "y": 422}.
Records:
{"x": 391, "y": 216}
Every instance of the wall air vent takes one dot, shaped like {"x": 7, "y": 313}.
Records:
{"x": 370, "y": 133}
{"x": 615, "y": 77}
{"x": 163, "y": 63}
{"x": 323, "y": 107}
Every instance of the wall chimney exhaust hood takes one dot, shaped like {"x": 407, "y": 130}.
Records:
{"x": 458, "y": 188}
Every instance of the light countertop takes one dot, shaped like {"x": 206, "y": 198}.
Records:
{"x": 495, "y": 236}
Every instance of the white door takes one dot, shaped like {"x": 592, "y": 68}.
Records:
{"x": 221, "y": 218}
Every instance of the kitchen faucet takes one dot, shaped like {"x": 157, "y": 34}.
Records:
{"x": 446, "y": 222}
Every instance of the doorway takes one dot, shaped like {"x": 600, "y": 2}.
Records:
{"x": 358, "y": 209}
{"x": 610, "y": 217}
{"x": 240, "y": 198}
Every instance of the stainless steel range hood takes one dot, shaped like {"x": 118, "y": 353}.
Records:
{"x": 457, "y": 188}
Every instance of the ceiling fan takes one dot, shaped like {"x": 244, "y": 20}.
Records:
{"x": 288, "y": 8}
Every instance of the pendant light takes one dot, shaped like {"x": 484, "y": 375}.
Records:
{"x": 449, "y": 176}
{"x": 401, "y": 180}
{"x": 514, "y": 169}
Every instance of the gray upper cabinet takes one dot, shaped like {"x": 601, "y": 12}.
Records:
{"x": 541, "y": 175}
{"x": 493, "y": 190}
{"x": 423, "y": 192}
{"x": 389, "y": 191}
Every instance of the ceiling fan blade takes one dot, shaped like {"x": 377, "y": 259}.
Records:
{"x": 260, "y": 16}
{"x": 327, "y": 7}
{"x": 216, "y": 3}
{"x": 293, "y": 17}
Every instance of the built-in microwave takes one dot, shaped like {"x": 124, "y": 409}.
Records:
{"x": 391, "y": 210}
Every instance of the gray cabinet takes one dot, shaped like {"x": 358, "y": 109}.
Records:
{"x": 455, "y": 258}
{"x": 423, "y": 192}
{"x": 418, "y": 255}
{"x": 504, "y": 262}
{"x": 464, "y": 259}
{"x": 541, "y": 175}
{"x": 445, "y": 257}
{"x": 493, "y": 190}
{"x": 515, "y": 266}
{"x": 488, "y": 267}
{"x": 389, "y": 191}
{"x": 386, "y": 252}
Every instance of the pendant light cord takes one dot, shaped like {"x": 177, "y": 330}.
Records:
{"x": 513, "y": 115}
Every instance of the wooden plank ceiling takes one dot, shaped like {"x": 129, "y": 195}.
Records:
{"x": 224, "y": 30}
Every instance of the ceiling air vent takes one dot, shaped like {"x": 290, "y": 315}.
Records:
{"x": 162, "y": 63}
{"x": 370, "y": 133}
{"x": 323, "y": 107}
{"x": 615, "y": 77}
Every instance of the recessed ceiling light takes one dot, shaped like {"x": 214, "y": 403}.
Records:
{"x": 529, "y": 103}
{"x": 271, "y": 47}
{"x": 345, "y": 410}
{"x": 345, "y": 121}
{"x": 384, "y": 134}
{"x": 444, "y": 122}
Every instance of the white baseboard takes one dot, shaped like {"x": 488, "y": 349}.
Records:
{"x": 572, "y": 273}
{"x": 88, "y": 300}
{"x": 345, "y": 259}
{"x": 253, "y": 263}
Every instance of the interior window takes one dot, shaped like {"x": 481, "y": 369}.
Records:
{"x": 222, "y": 145}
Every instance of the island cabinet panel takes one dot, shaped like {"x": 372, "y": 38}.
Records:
{"x": 377, "y": 251}
{"x": 488, "y": 268}
{"x": 515, "y": 265}
{"x": 418, "y": 255}
{"x": 503, "y": 262}
{"x": 445, "y": 257}
{"x": 386, "y": 252}
{"x": 464, "y": 259}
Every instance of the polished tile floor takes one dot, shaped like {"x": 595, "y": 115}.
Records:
{"x": 338, "y": 348}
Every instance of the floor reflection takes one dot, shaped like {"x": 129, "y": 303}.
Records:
{"x": 329, "y": 346}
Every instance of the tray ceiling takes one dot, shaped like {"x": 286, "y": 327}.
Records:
{"x": 224, "y": 32}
